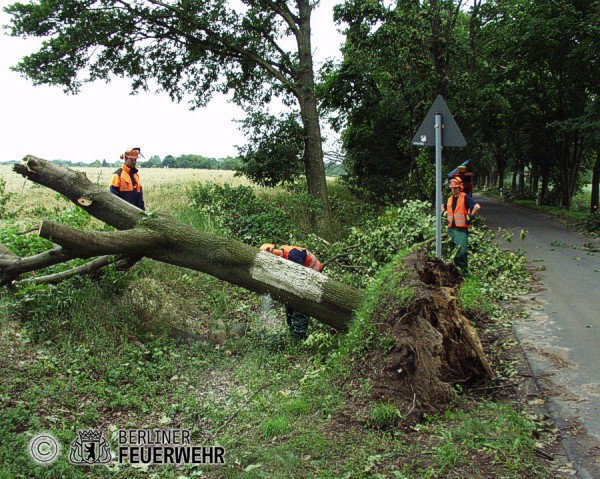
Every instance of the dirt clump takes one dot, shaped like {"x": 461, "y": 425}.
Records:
{"x": 426, "y": 346}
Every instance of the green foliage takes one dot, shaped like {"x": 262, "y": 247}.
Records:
{"x": 181, "y": 161}
{"x": 348, "y": 210}
{"x": 243, "y": 215}
{"x": 375, "y": 242}
{"x": 499, "y": 273}
{"x": 273, "y": 155}
{"x": 541, "y": 53}
{"x": 275, "y": 406}
{"x": 29, "y": 244}
{"x": 474, "y": 296}
{"x": 383, "y": 291}
{"x": 64, "y": 311}
{"x": 320, "y": 340}
{"x": 200, "y": 162}
{"x": 21, "y": 244}
{"x": 205, "y": 64}
{"x": 591, "y": 223}
{"x": 275, "y": 427}
{"x": 516, "y": 76}
{"x": 258, "y": 53}
{"x": 383, "y": 415}
{"x": 383, "y": 87}
{"x": 299, "y": 406}
{"x": 22, "y": 241}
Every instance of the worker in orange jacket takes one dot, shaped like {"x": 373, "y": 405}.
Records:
{"x": 297, "y": 322}
{"x": 460, "y": 210}
{"x": 125, "y": 182}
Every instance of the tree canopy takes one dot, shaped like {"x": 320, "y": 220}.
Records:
{"x": 520, "y": 77}
{"x": 187, "y": 48}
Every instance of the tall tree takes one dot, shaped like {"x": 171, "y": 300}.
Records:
{"x": 548, "y": 65}
{"x": 397, "y": 58}
{"x": 187, "y": 48}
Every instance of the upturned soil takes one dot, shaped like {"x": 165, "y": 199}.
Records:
{"x": 431, "y": 346}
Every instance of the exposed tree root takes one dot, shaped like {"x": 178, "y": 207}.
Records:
{"x": 429, "y": 346}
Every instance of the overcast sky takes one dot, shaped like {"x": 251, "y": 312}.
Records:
{"x": 104, "y": 119}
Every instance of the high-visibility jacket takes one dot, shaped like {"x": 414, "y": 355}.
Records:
{"x": 311, "y": 260}
{"x": 457, "y": 218}
{"x": 125, "y": 183}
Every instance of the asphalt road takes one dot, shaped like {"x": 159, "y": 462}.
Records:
{"x": 561, "y": 338}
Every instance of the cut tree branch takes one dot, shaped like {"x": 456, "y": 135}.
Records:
{"x": 12, "y": 266}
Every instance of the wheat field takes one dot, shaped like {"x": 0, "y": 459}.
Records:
{"x": 164, "y": 189}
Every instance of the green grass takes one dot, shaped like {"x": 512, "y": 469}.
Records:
{"x": 474, "y": 296}
{"x": 98, "y": 354}
{"x": 574, "y": 214}
{"x": 263, "y": 398}
{"x": 578, "y": 216}
{"x": 383, "y": 415}
{"x": 503, "y": 434}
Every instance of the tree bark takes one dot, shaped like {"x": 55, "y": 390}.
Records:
{"x": 545, "y": 184}
{"x": 438, "y": 48}
{"x": 158, "y": 236}
{"x": 93, "y": 269}
{"x": 474, "y": 26}
{"x": 12, "y": 266}
{"x": 313, "y": 145}
{"x": 500, "y": 165}
{"x": 513, "y": 183}
{"x": 594, "y": 201}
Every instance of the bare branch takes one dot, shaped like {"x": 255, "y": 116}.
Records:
{"x": 92, "y": 268}
{"x": 13, "y": 266}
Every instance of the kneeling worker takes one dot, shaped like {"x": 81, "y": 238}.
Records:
{"x": 297, "y": 321}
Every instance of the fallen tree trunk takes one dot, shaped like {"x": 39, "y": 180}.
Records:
{"x": 158, "y": 236}
{"x": 425, "y": 346}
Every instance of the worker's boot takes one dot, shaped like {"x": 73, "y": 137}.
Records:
{"x": 299, "y": 326}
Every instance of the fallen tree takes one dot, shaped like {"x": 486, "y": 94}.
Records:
{"x": 160, "y": 237}
{"x": 436, "y": 343}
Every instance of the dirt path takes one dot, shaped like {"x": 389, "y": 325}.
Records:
{"x": 561, "y": 338}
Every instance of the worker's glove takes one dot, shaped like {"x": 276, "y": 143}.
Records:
{"x": 469, "y": 219}
{"x": 444, "y": 214}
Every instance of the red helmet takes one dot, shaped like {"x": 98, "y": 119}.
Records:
{"x": 268, "y": 247}
{"x": 456, "y": 181}
{"x": 132, "y": 153}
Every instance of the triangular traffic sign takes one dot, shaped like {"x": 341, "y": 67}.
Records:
{"x": 451, "y": 135}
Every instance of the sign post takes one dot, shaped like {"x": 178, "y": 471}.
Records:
{"x": 439, "y": 129}
{"x": 438, "y": 185}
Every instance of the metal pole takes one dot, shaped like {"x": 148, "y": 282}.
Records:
{"x": 438, "y": 185}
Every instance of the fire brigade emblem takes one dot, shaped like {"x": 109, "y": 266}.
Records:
{"x": 90, "y": 448}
